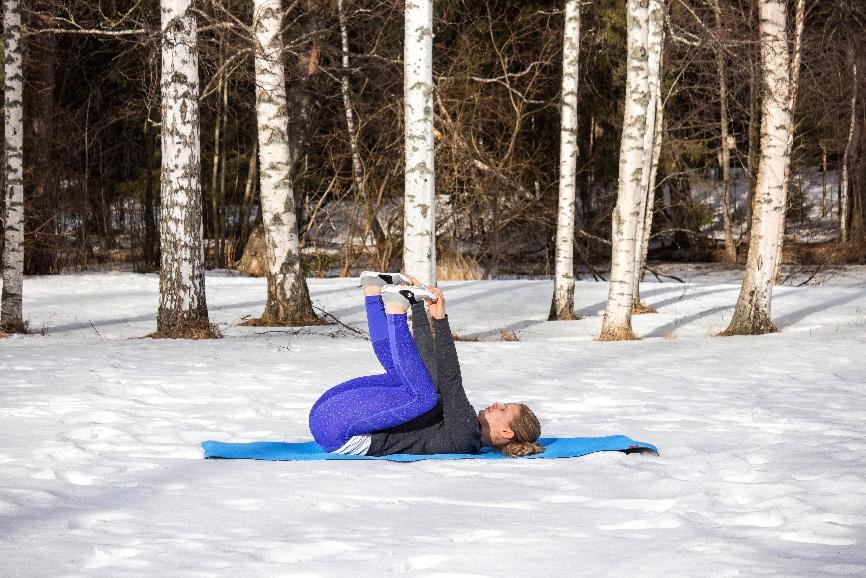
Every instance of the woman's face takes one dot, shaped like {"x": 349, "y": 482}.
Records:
{"x": 496, "y": 422}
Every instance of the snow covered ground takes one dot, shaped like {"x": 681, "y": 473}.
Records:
{"x": 763, "y": 452}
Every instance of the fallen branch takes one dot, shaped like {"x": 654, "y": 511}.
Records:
{"x": 94, "y": 329}
{"x": 658, "y": 276}
{"x": 341, "y": 324}
{"x": 812, "y": 276}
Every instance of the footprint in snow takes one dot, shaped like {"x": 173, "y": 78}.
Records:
{"x": 120, "y": 557}
{"x": 292, "y": 553}
{"x": 99, "y": 433}
{"x": 665, "y": 521}
{"x": 243, "y": 505}
{"x": 422, "y": 562}
{"x": 771, "y": 519}
{"x": 472, "y": 536}
{"x": 819, "y": 533}
{"x": 92, "y": 519}
{"x": 77, "y": 478}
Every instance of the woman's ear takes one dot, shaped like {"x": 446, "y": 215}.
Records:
{"x": 507, "y": 433}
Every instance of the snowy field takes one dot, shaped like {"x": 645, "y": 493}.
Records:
{"x": 763, "y": 450}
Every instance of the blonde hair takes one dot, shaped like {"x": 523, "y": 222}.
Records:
{"x": 526, "y": 430}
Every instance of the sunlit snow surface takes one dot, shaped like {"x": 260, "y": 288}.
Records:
{"x": 763, "y": 444}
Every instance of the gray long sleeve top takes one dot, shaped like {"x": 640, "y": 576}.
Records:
{"x": 450, "y": 427}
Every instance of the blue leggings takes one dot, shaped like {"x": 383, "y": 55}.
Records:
{"x": 375, "y": 402}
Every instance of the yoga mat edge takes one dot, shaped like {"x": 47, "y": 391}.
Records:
{"x": 565, "y": 447}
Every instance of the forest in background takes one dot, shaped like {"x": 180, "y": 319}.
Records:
{"x": 92, "y": 115}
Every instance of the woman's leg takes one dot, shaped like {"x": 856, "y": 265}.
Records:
{"x": 367, "y": 404}
{"x": 409, "y": 364}
{"x": 378, "y": 326}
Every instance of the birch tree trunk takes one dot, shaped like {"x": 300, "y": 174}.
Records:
{"x": 371, "y": 205}
{"x": 752, "y": 312}
{"x": 730, "y": 255}
{"x": 754, "y": 130}
{"x": 844, "y": 176}
{"x": 357, "y": 178}
{"x": 652, "y": 145}
{"x": 215, "y": 168}
{"x": 149, "y": 224}
{"x": 626, "y": 215}
{"x": 11, "y": 313}
{"x": 796, "y": 57}
{"x": 648, "y": 219}
{"x": 419, "y": 222}
{"x": 288, "y": 297}
{"x": 182, "y": 304}
{"x": 306, "y": 29}
{"x": 249, "y": 191}
{"x": 823, "y": 180}
{"x": 562, "y": 306}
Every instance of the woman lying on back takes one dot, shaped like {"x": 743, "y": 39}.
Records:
{"x": 418, "y": 406}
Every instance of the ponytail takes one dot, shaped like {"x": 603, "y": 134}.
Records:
{"x": 520, "y": 449}
{"x": 526, "y": 430}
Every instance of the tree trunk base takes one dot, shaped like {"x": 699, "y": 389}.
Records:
{"x": 642, "y": 309}
{"x": 273, "y": 321}
{"x": 20, "y": 327}
{"x": 761, "y": 327}
{"x": 617, "y": 334}
{"x": 188, "y": 329}
{"x": 289, "y": 309}
{"x": 564, "y": 314}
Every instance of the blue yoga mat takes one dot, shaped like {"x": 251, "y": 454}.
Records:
{"x": 311, "y": 452}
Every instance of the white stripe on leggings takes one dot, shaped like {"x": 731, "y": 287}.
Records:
{"x": 356, "y": 446}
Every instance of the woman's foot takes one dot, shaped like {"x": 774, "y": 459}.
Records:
{"x": 405, "y": 295}
{"x": 377, "y": 279}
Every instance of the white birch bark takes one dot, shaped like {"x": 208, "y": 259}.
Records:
{"x": 288, "y": 301}
{"x": 215, "y": 167}
{"x": 370, "y": 205}
{"x": 730, "y": 254}
{"x": 626, "y": 215}
{"x": 796, "y": 57}
{"x": 181, "y": 280}
{"x": 655, "y": 42}
{"x": 752, "y": 314}
{"x": 11, "y": 311}
{"x": 648, "y": 220}
{"x": 347, "y": 102}
{"x": 844, "y": 177}
{"x": 419, "y": 223}
{"x": 562, "y": 306}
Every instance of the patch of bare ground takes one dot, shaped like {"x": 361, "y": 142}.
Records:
{"x": 824, "y": 253}
{"x": 507, "y": 335}
{"x": 457, "y": 337}
{"x": 642, "y": 309}
{"x": 267, "y": 322}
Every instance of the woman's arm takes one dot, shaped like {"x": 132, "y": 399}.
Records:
{"x": 461, "y": 421}
{"x": 424, "y": 339}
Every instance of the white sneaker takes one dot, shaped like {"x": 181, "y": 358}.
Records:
{"x": 406, "y": 294}
{"x": 374, "y": 278}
